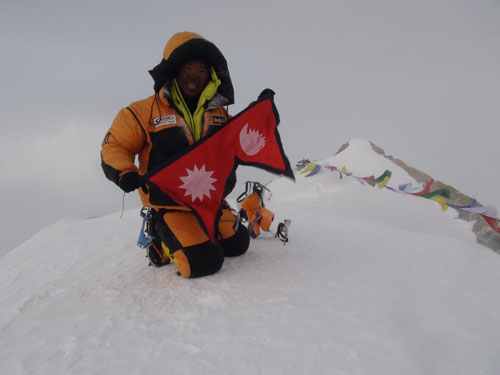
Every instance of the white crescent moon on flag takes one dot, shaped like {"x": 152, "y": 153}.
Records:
{"x": 251, "y": 141}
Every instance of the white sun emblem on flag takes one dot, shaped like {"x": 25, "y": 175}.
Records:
{"x": 198, "y": 183}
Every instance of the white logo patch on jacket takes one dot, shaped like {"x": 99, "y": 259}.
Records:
{"x": 165, "y": 120}
{"x": 218, "y": 119}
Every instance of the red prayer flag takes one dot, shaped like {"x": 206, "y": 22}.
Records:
{"x": 426, "y": 190}
{"x": 492, "y": 222}
{"x": 197, "y": 177}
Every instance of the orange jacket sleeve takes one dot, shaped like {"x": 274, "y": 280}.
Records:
{"x": 124, "y": 140}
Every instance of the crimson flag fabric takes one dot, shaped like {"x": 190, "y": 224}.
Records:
{"x": 492, "y": 222}
{"x": 197, "y": 178}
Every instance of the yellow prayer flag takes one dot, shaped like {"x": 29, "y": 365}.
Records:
{"x": 441, "y": 201}
{"x": 384, "y": 182}
{"x": 309, "y": 168}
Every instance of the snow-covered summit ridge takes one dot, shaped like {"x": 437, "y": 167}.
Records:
{"x": 359, "y": 158}
{"x": 363, "y": 159}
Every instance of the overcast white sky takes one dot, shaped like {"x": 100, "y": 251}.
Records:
{"x": 421, "y": 79}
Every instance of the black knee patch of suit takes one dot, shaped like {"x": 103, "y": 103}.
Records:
{"x": 204, "y": 259}
{"x": 237, "y": 244}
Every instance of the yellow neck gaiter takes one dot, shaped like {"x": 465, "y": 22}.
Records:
{"x": 195, "y": 120}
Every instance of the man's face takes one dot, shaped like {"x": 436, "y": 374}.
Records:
{"x": 192, "y": 78}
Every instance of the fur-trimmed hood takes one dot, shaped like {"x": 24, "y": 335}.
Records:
{"x": 185, "y": 46}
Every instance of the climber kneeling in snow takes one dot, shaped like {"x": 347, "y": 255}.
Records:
{"x": 192, "y": 84}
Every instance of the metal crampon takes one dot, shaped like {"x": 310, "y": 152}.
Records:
{"x": 252, "y": 209}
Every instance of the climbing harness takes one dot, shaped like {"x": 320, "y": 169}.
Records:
{"x": 156, "y": 250}
{"x": 146, "y": 234}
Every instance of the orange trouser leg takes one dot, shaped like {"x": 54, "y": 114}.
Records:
{"x": 190, "y": 247}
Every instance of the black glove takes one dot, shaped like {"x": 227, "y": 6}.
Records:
{"x": 130, "y": 181}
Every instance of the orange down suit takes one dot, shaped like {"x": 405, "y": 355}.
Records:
{"x": 155, "y": 130}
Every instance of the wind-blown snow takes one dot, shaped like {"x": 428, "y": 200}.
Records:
{"x": 371, "y": 282}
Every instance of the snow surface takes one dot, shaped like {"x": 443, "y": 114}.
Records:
{"x": 371, "y": 282}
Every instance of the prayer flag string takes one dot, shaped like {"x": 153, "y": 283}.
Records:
{"x": 488, "y": 213}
